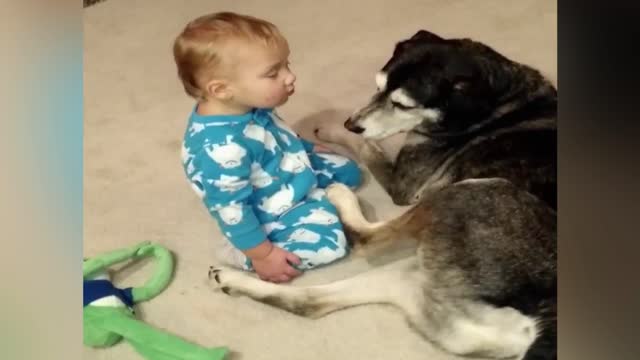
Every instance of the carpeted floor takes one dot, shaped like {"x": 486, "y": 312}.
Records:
{"x": 134, "y": 188}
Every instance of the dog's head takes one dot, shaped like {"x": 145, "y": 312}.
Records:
{"x": 433, "y": 85}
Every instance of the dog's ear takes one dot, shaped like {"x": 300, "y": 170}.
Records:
{"x": 426, "y": 36}
{"x": 422, "y": 36}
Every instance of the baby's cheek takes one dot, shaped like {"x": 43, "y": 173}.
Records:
{"x": 274, "y": 96}
{"x": 271, "y": 98}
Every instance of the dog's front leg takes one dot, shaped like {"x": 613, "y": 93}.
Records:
{"x": 397, "y": 283}
{"x": 365, "y": 151}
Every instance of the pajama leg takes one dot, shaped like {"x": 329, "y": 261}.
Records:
{"x": 311, "y": 230}
{"x": 330, "y": 168}
{"x": 314, "y": 233}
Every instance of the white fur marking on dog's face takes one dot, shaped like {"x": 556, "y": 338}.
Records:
{"x": 381, "y": 81}
{"x": 383, "y": 123}
{"x": 433, "y": 115}
{"x": 402, "y": 97}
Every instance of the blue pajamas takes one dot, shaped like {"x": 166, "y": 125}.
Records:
{"x": 312, "y": 229}
{"x": 260, "y": 180}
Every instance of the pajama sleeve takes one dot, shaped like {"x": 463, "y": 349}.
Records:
{"x": 222, "y": 180}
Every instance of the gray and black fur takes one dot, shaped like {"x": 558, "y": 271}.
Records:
{"x": 496, "y": 118}
{"x": 479, "y": 165}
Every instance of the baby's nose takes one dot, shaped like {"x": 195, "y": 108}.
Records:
{"x": 291, "y": 79}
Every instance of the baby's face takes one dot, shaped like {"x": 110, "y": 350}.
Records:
{"x": 262, "y": 76}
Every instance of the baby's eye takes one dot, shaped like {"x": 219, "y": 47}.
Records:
{"x": 272, "y": 75}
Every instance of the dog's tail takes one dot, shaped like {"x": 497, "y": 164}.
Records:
{"x": 545, "y": 345}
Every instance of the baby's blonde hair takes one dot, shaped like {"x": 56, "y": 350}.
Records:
{"x": 197, "y": 51}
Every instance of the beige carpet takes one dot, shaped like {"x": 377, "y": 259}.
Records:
{"x": 135, "y": 113}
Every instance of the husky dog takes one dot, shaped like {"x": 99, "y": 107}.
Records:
{"x": 479, "y": 166}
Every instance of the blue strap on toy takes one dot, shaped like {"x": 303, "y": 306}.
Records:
{"x": 98, "y": 289}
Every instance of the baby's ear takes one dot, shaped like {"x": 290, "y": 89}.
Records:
{"x": 218, "y": 89}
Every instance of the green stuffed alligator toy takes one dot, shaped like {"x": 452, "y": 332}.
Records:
{"x": 108, "y": 314}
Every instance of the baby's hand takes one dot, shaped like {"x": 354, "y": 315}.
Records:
{"x": 275, "y": 266}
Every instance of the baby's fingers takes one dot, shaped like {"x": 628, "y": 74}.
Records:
{"x": 293, "y": 258}
{"x": 292, "y": 272}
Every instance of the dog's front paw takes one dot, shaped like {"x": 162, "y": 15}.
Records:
{"x": 237, "y": 282}
{"x": 339, "y": 194}
{"x": 225, "y": 279}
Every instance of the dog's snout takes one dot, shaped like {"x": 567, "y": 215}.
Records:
{"x": 357, "y": 130}
{"x": 349, "y": 125}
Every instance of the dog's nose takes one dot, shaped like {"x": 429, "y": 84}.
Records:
{"x": 353, "y": 128}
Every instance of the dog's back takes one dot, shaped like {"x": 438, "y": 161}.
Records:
{"x": 520, "y": 147}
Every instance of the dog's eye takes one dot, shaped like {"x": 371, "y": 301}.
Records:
{"x": 401, "y": 106}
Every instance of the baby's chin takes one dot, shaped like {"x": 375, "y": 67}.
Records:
{"x": 281, "y": 101}
{"x": 284, "y": 101}
{"x": 275, "y": 101}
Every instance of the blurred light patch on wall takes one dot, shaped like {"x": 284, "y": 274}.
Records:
{"x": 41, "y": 179}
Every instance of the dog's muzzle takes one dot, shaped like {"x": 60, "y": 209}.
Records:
{"x": 351, "y": 126}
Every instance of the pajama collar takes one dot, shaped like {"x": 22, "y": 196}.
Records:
{"x": 260, "y": 116}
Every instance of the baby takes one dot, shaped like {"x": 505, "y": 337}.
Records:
{"x": 261, "y": 182}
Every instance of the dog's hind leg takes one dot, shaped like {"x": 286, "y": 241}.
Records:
{"x": 395, "y": 284}
{"x": 480, "y": 330}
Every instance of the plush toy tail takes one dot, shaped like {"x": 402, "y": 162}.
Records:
{"x": 154, "y": 344}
